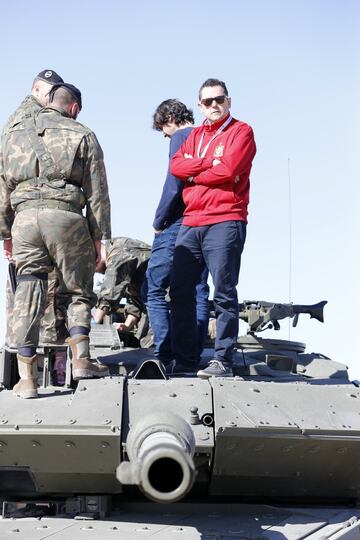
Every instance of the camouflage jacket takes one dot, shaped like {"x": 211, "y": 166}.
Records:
{"x": 29, "y": 105}
{"x": 77, "y": 178}
{"x": 126, "y": 264}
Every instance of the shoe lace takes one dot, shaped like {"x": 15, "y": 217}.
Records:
{"x": 217, "y": 365}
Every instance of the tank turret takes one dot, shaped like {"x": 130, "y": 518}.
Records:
{"x": 285, "y": 427}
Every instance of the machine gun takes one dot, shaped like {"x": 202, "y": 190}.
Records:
{"x": 261, "y": 315}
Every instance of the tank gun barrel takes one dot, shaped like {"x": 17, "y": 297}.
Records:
{"x": 160, "y": 448}
{"x": 261, "y": 315}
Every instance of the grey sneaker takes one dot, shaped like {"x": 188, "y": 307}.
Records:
{"x": 216, "y": 368}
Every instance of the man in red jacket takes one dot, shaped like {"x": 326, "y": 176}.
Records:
{"x": 215, "y": 163}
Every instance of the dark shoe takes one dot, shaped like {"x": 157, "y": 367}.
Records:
{"x": 169, "y": 367}
{"x": 216, "y": 368}
{"x": 82, "y": 368}
{"x": 184, "y": 368}
{"x": 176, "y": 367}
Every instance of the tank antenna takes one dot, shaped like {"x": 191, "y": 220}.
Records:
{"x": 290, "y": 242}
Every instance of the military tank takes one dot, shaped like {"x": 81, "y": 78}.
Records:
{"x": 272, "y": 450}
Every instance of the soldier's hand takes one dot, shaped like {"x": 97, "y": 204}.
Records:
{"x": 8, "y": 250}
{"x": 188, "y": 156}
{"x": 97, "y": 245}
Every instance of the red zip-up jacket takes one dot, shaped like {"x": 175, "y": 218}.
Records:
{"x": 216, "y": 193}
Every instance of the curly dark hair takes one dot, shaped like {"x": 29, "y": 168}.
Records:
{"x": 172, "y": 109}
{"x": 213, "y": 82}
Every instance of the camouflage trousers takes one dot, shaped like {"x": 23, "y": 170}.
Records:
{"x": 44, "y": 239}
{"x": 52, "y": 325}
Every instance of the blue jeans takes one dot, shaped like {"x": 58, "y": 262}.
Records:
{"x": 219, "y": 248}
{"x": 158, "y": 307}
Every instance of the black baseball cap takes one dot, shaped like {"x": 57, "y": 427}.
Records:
{"x": 75, "y": 92}
{"x": 50, "y": 76}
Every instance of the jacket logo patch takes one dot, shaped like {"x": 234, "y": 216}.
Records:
{"x": 219, "y": 151}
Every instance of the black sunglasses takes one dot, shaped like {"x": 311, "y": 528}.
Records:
{"x": 208, "y": 101}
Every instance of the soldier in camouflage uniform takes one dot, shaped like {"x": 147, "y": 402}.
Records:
{"x": 124, "y": 262}
{"x": 51, "y": 167}
{"x": 52, "y": 329}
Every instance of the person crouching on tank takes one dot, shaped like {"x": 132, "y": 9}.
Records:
{"x": 124, "y": 262}
{"x": 51, "y": 167}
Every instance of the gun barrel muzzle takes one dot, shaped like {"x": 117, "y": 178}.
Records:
{"x": 167, "y": 472}
{"x": 160, "y": 449}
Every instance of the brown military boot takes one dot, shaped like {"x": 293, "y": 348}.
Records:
{"x": 82, "y": 368}
{"x": 26, "y": 388}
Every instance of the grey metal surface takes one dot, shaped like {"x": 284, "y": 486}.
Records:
{"x": 64, "y": 438}
{"x": 193, "y": 522}
{"x": 104, "y": 335}
{"x": 179, "y": 396}
{"x": 286, "y": 405}
{"x": 286, "y": 440}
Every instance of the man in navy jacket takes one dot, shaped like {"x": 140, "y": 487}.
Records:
{"x": 175, "y": 121}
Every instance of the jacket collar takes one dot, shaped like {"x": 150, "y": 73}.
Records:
{"x": 209, "y": 128}
{"x": 53, "y": 109}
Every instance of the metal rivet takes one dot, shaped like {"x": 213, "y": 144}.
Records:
{"x": 35, "y": 443}
{"x": 172, "y": 395}
{"x": 2, "y": 443}
{"x": 70, "y": 444}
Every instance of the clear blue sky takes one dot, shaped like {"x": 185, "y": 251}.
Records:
{"x": 292, "y": 69}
